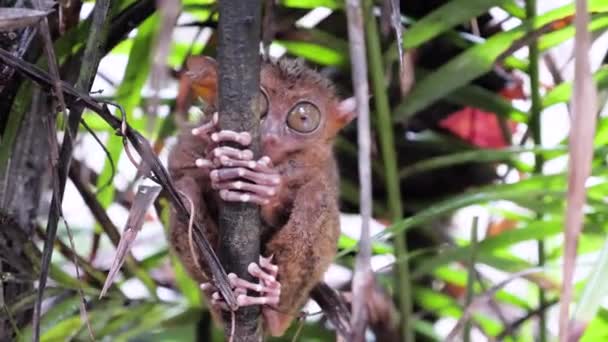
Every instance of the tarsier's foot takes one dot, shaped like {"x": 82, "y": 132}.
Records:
{"x": 236, "y": 175}
{"x": 268, "y": 287}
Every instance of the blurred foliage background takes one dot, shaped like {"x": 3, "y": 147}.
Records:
{"x": 469, "y": 173}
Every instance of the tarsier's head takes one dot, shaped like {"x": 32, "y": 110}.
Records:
{"x": 300, "y": 109}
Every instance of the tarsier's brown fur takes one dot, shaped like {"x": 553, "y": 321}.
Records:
{"x": 301, "y": 224}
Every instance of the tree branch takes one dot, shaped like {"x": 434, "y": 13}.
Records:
{"x": 239, "y": 73}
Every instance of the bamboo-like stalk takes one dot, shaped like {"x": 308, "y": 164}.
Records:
{"x": 535, "y": 128}
{"x": 582, "y": 132}
{"x": 363, "y": 278}
{"x": 387, "y": 147}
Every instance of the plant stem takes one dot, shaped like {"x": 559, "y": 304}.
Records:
{"x": 239, "y": 30}
{"x": 387, "y": 147}
{"x": 535, "y": 128}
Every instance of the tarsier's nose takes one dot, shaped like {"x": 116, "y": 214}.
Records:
{"x": 270, "y": 140}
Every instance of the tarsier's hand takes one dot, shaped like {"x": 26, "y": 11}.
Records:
{"x": 268, "y": 288}
{"x": 234, "y": 173}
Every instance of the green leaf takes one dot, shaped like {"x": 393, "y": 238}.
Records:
{"x": 533, "y": 187}
{"x": 314, "y": 53}
{"x": 476, "y": 61}
{"x": 481, "y": 155}
{"x": 563, "y": 92}
{"x": 479, "y": 97}
{"x": 514, "y": 9}
{"x": 488, "y": 246}
{"x": 55, "y": 315}
{"x": 129, "y": 95}
{"x": 445, "y": 17}
{"x": 595, "y": 290}
{"x": 456, "y": 276}
{"x": 333, "y": 4}
{"x": 598, "y": 22}
{"x": 597, "y": 330}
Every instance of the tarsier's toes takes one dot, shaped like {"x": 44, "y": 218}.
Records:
{"x": 208, "y": 288}
{"x": 266, "y": 264}
{"x": 268, "y": 288}
{"x": 216, "y": 298}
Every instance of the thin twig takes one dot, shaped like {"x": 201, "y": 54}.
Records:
{"x": 534, "y": 126}
{"x": 479, "y": 300}
{"x": 169, "y": 10}
{"x": 389, "y": 158}
{"x": 363, "y": 278}
{"x": 511, "y": 328}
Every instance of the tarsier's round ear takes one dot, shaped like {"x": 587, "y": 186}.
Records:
{"x": 347, "y": 109}
{"x": 202, "y": 72}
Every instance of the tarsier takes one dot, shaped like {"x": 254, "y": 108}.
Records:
{"x": 295, "y": 184}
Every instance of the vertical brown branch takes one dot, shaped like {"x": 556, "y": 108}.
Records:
{"x": 239, "y": 74}
{"x": 363, "y": 278}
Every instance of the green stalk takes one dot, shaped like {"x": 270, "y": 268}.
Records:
{"x": 534, "y": 125}
{"x": 387, "y": 147}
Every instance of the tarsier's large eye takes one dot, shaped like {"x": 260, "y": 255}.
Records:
{"x": 304, "y": 117}
{"x": 263, "y": 98}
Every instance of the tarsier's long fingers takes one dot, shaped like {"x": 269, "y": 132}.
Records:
{"x": 234, "y": 173}
{"x": 243, "y": 138}
{"x": 262, "y": 191}
{"x": 230, "y": 153}
{"x": 235, "y": 196}
{"x": 244, "y": 300}
{"x": 206, "y": 128}
{"x": 263, "y": 165}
